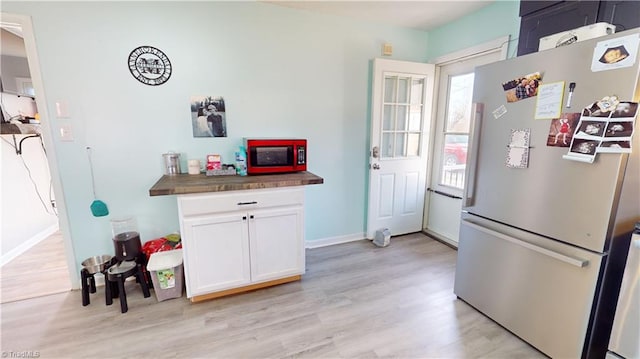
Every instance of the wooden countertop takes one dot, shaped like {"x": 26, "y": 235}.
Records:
{"x": 185, "y": 183}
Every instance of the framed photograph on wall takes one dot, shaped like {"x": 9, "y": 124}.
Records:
{"x": 208, "y": 116}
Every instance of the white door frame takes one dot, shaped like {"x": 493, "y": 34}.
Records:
{"x": 47, "y": 132}
{"x": 499, "y": 45}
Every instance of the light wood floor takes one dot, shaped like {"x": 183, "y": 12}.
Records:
{"x": 355, "y": 300}
{"x": 41, "y": 270}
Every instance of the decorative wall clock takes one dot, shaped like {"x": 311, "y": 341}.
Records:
{"x": 149, "y": 65}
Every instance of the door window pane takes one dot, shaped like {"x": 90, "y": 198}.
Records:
{"x": 390, "y": 89}
{"x": 387, "y": 119}
{"x": 459, "y": 103}
{"x": 400, "y": 149}
{"x": 401, "y": 122}
{"x": 417, "y": 87}
{"x": 402, "y": 118}
{"x": 454, "y": 160}
{"x": 455, "y": 149}
{"x": 413, "y": 145}
{"x": 386, "y": 150}
{"x": 403, "y": 90}
{"x": 456, "y": 132}
{"x": 415, "y": 118}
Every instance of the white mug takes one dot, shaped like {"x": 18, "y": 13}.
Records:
{"x": 194, "y": 167}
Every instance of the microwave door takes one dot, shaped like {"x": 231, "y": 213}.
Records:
{"x": 273, "y": 156}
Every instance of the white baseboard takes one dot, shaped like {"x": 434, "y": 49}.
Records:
{"x": 442, "y": 238}
{"x": 334, "y": 240}
{"x": 12, "y": 254}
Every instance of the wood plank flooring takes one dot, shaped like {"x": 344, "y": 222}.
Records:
{"x": 41, "y": 270}
{"x": 355, "y": 301}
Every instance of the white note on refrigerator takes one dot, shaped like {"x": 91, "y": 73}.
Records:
{"x": 518, "y": 148}
{"x": 549, "y": 101}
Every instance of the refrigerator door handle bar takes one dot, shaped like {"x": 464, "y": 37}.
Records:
{"x": 559, "y": 256}
{"x": 471, "y": 168}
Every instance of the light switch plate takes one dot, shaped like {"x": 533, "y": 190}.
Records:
{"x": 62, "y": 109}
{"x": 66, "y": 133}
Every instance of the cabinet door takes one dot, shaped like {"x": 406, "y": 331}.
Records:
{"x": 624, "y": 15}
{"x": 563, "y": 16}
{"x": 530, "y": 6}
{"x": 276, "y": 238}
{"x": 216, "y": 252}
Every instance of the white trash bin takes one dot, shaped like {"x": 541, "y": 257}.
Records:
{"x": 166, "y": 271}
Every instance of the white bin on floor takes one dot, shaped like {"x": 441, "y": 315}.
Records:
{"x": 166, "y": 271}
{"x": 382, "y": 238}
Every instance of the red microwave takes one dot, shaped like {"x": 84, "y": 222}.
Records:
{"x": 267, "y": 155}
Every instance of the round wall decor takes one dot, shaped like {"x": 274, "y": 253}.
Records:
{"x": 149, "y": 65}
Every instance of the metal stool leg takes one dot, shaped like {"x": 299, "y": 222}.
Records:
{"x": 108, "y": 296}
{"x": 92, "y": 284}
{"x": 122, "y": 294}
{"x": 85, "y": 288}
{"x": 143, "y": 282}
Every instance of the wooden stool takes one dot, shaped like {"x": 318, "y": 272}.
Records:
{"x": 118, "y": 274}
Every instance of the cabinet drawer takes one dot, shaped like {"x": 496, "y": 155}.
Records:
{"x": 199, "y": 204}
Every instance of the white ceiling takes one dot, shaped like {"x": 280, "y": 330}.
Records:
{"x": 418, "y": 14}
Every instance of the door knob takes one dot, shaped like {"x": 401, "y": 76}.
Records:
{"x": 376, "y": 166}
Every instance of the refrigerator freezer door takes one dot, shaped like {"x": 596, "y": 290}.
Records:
{"x": 539, "y": 289}
{"x": 625, "y": 335}
{"x": 567, "y": 200}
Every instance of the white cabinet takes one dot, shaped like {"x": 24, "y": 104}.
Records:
{"x": 216, "y": 252}
{"x": 241, "y": 239}
{"x": 275, "y": 243}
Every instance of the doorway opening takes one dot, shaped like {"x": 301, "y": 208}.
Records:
{"x": 34, "y": 256}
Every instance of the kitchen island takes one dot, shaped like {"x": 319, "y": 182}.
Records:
{"x": 239, "y": 233}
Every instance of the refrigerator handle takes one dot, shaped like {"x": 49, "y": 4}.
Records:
{"x": 547, "y": 252}
{"x": 472, "y": 156}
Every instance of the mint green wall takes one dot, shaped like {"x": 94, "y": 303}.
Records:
{"x": 491, "y": 22}
{"x": 282, "y": 72}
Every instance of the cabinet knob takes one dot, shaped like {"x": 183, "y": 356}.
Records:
{"x": 244, "y": 218}
{"x": 251, "y": 216}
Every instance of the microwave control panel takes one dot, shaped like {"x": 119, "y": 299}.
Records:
{"x": 301, "y": 155}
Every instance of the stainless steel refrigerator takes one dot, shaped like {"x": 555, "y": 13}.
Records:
{"x": 542, "y": 248}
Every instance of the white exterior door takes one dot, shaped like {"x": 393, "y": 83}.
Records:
{"x": 401, "y": 109}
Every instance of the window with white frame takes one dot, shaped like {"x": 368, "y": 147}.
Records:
{"x": 455, "y": 134}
